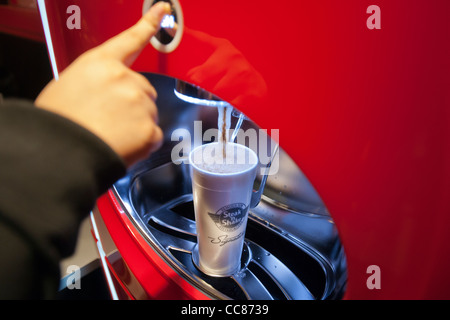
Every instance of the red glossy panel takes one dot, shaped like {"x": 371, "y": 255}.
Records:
{"x": 22, "y": 22}
{"x": 144, "y": 270}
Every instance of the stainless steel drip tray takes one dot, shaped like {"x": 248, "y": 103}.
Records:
{"x": 274, "y": 264}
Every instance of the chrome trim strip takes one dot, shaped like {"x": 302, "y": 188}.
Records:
{"x": 102, "y": 254}
{"x": 48, "y": 37}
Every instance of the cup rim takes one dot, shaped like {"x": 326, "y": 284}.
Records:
{"x": 227, "y": 174}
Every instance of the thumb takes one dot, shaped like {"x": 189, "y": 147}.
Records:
{"x": 127, "y": 45}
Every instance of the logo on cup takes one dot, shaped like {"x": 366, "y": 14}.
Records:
{"x": 230, "y": 217}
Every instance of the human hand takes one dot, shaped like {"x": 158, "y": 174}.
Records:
{"x": 101, "y": 93}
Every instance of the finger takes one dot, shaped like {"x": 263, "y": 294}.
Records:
{"x": 153, "y": 111}
{"x": 145, "y": 85}
{"x": 127, "y": 45}
{"x": 157, "y": 138}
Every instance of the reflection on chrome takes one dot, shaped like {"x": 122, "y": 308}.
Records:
{"x": 201, "y": 102}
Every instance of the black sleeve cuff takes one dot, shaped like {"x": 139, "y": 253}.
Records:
{"x": 51, "y": 171}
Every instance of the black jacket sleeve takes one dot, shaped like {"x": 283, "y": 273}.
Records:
{"x": 51, "y": 172}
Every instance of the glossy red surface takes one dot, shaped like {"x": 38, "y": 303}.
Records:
{"x": 140, "y": 270}
{"x": 364, "y": 113}
{"x": 21, "y": 22}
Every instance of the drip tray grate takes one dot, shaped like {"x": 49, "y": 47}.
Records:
{"x": 273, "y": 267}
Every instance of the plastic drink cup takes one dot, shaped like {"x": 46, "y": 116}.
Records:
{"x": 222, "y": 191}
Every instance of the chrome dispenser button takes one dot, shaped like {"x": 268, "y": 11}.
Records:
{"x": 169, "y": 36}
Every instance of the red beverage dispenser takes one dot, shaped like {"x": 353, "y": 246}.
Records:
{"x": 357, "y": 96}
